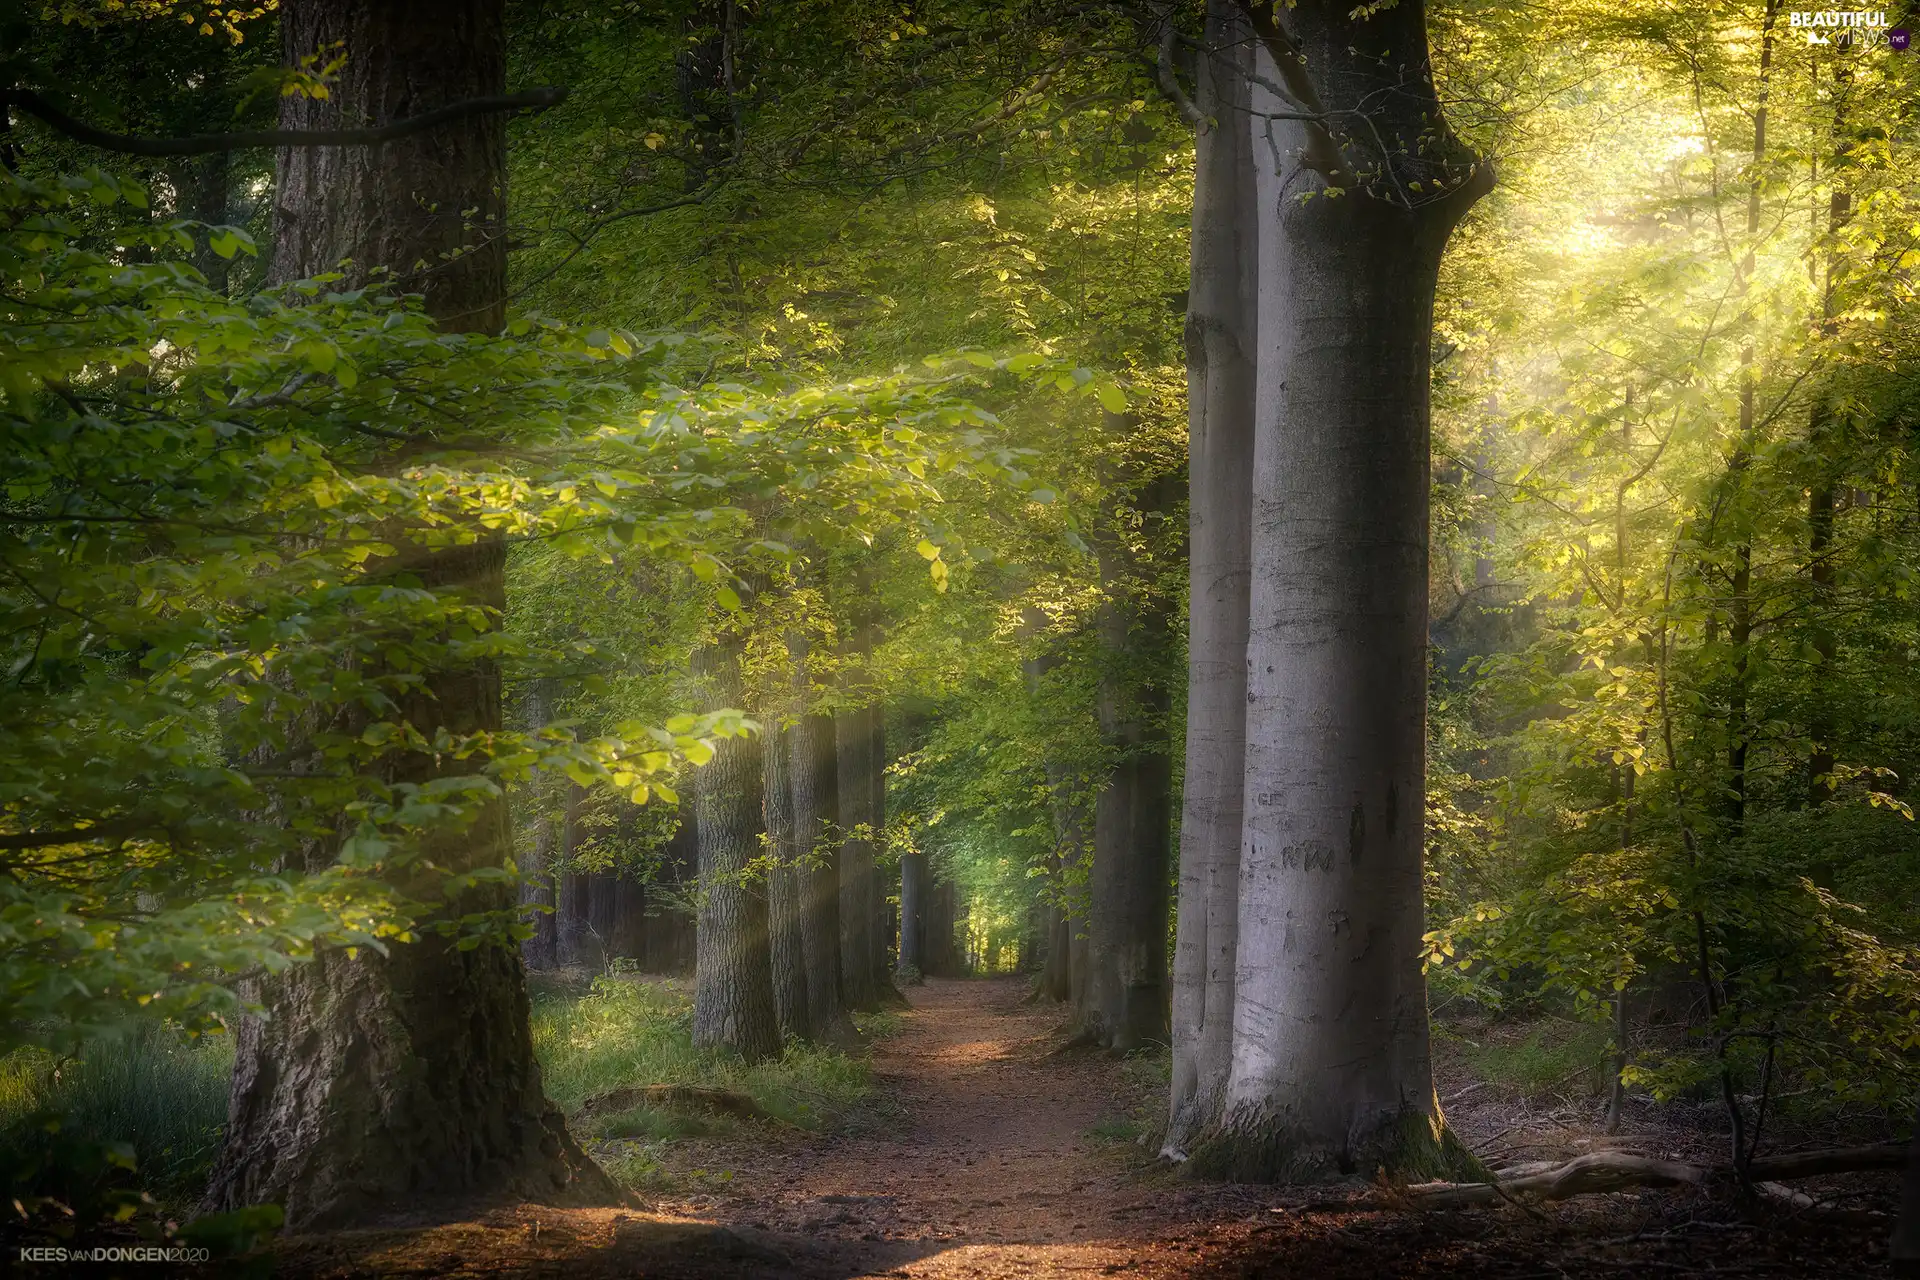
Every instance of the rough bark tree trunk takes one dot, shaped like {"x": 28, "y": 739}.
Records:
{"x": 430, "y": 208}
{"x": 1220, "y": 380}
{"x": 813, "y": 766}
{"x": 1056, "y": 975}
{"x": 399, "y": 1081}
{"x": 732, "y": 969}
{"x": 575, "y": 888}
{"x": 1331, "y": 1071}
{"x": 1127, "y": 916}
{"x": 786, "y": 890}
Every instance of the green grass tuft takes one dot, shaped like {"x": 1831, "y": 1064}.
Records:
{"x": 159, "y": 1093}
{"x": 1551, "y": 1057}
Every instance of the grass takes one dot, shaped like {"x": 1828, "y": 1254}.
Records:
{"x": 1550, "y": 1056}
{"x": 162, "y": 1095}
{"x": 634, "y": 1031}
{"x": 165, "y": 1097}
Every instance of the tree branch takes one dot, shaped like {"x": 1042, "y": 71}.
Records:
{"x": 1323, "y": 153}
{"x": 199, "y": 144}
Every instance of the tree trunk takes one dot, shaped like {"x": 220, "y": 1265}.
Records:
{"x": 1056, "y": 974}
{"x": 939, "y": 941}
{"x": 813, "y": 764}
{"x": 669, "y": 946}
{"x": 785, "y": 892}
{"x": 859, "y": 941}
{"x": 575, "y": 914}
{"x": 429, "y": 208}
{"x": 402, "y": 1080}
{"x": 1220, "y": 382}
{"x": 628, "y": 940}
{"x": 913, "y": 917}
{"x": 1331, "y": 1072}
{"x": 540, "y": 949}
{"x": 732, "y": 970}
{"x": 603, "y": 909}
{"x": 1127, "y": 917}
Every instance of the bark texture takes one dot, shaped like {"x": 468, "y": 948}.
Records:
{"x": 1220, "y": 384}
{"x": 406, "y": 1080}
{"x": 382, "y": 1082}
{"x": 786, "y": 889}
{"x": 732, "y": 971}
{"x": 1331, "y": 1072}
{"x": 429, "y": 208}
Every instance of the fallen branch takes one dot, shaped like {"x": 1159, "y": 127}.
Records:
{"x": 1602, "y": 1171}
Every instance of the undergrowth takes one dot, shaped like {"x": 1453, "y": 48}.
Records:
{"x": 629, "y": 1031}
{"x": 1550, "y": 1057}
{"x": 151, "y": 1095}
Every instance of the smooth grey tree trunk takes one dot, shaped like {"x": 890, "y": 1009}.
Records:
{"x": 1220, "y": 340}
{"x": 786, "y": 891}
{"x": 406, "y": 1080}
{"x": 812, "y": 762}
{"x": 732, "y": 968}
{"x": 1331, "y": 1072}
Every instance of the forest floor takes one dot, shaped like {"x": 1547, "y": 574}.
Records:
{"x": 989, "y": 1153}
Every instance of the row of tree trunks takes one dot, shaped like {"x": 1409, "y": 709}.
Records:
{"x": 1124, "y": 994}
{"x": 1322, "y": 1014}
{"x": 409, "y": 1078}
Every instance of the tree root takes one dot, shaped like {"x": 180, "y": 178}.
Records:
{"x": 1603, "y": 1171}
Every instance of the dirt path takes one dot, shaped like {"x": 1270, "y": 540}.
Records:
{"x": 983, "y": 1163}
{"x": 989, "y": 1166}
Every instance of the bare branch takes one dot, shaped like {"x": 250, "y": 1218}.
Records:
{"x": 210, "y": 143}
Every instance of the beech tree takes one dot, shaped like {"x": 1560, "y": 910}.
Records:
{"x": 1224, "y": 262}
{"x": 411, "y": 1074}
{"x": 1358, "y": 186}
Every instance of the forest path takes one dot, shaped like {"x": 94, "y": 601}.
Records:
{"x": 980, "y": 1162}
{"x": 987, "y": 1166}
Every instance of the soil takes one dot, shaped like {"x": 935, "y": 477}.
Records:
{"x": 995, "y": 1154}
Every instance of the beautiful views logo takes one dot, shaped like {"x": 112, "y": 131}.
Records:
{"x": 1859, "y": 26}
